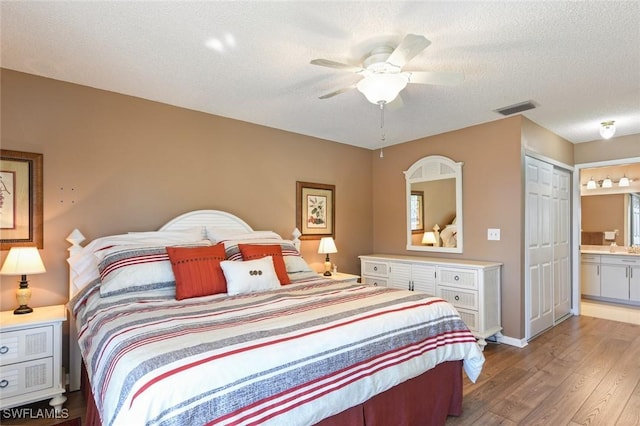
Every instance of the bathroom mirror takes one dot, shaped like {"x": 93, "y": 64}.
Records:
{"x": 610, "y": 213}
{"x": 434, "y": 205}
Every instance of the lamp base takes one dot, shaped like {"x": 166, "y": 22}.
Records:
{"x": 23, "y": 309}
{"x": 327, "y": 274}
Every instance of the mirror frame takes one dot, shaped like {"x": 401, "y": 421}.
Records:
{"x": 435, "y": 167}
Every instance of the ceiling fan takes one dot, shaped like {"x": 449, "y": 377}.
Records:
{"x": 383, "y": 77}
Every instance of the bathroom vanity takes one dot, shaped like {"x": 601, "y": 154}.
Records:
{"x": 610, "y": 276}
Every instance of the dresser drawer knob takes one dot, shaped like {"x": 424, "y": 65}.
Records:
{"x": 4, "y": 350}
{"x": 457, "y": 297}
{"x": 4, "y": 383}
{"x": 457, "y": 278}
{"x": 375, "y": 268}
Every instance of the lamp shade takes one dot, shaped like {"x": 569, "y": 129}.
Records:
{"x": 382, "y": 88}
{"x": 23, "y": 261}
{"x": 429, "y": 238}
{"x": 592, "y": 184}
{"x": 624, "y": 181}
{"x": 607, "y": 183}
{"x": 327, "y": 245}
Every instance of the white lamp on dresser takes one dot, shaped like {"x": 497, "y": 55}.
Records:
{"x": 327, "y": 245}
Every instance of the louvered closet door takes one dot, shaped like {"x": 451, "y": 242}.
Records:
{"x": 539, "y": 246}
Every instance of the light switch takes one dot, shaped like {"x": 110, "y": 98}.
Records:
{"x": 493, "y": 234}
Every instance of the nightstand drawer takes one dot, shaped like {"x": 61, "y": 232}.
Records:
{"x": 375, "y": 281}
{"x": 375, "y": 268}
{"x": 460, "y": 298}
{"x": 26, "y": 377}
{"x": 26, "y": 344}
{"x": 462, "y": 278}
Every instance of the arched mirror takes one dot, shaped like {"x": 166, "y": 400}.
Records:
{"x": 434, "y": 205}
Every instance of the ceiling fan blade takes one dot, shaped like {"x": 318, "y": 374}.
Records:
{"x": 437, "y": 78}
{"x": 338, "y": 65}
{"x": 408, "y": 48}
{"x": 337, "y": 92}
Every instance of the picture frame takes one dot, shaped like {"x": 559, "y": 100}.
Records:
{"x": 315, "y": 210}
{"x": 20, "y": 199}
{"x": 417, "y": 212}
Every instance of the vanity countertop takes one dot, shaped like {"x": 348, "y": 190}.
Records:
{"x": 620, "y": 251}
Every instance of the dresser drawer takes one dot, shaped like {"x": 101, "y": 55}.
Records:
{"x": 462, "y": 278}
{"x": 370, "y": 267}
{"x": 26, "y": 377}
{"x": 459, "y": 298}
{"x": 375, "y": 281}
{"x": 470, "y": 318}
{"x": 621, "y": 260}
{"x": 26, "y": 344}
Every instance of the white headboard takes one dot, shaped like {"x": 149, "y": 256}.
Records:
{"x": 213, "y": 218}
{"x": 192, "y": 219}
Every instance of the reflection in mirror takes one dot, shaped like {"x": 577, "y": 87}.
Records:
{"x": 610, "y": 214}
{"x": 417, "y": 211}
{"x": 434, "y": 205}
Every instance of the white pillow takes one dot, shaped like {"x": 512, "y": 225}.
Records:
{"x": 250, "y": 276}
{"x": 296, "y": 264}
{"x": 84, "y": 267}
{"x": 223, "y": 234}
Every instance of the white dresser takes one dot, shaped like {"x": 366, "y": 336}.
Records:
{"x": 31, "y": 357}
{"x": 473, "y": 287}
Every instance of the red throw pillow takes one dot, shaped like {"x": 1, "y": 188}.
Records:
{"x": 258, "y": 251}
{"x": 197, "y": 270}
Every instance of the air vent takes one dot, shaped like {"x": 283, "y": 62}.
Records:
{"x": 515, "y": 108}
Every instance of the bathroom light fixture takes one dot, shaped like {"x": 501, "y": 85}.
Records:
{"x": 608, "y": 129}
{"x": 592, "y": 184}
{"x": 624, "y": 181}
{"x": 607, "y": 183}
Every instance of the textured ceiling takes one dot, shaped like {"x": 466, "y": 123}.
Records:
{"x": 578, "y": 61}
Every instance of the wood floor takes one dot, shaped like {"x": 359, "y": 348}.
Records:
{"x": 585, "y": 371}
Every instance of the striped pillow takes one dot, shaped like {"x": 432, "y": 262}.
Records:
{"x": 134, "y": 268}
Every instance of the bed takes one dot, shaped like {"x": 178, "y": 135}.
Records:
{"x": 272, "y": 346}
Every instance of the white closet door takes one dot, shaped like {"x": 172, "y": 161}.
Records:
{"x": 561, "y": 243}
{"x": 539, "y": 246}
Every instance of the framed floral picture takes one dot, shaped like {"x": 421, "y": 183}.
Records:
{"x": 315, "y": 210}
{"x": 20, "y": 199}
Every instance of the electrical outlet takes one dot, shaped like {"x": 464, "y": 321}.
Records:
{"x": 493, "y": 234}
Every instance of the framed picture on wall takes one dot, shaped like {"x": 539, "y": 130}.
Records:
{"x": 315, "y": 210}
{"x": 20, "y": 199}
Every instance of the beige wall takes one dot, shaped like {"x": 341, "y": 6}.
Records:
{"x": 603, "y": 213}
{"x": 604, "y": 150}
{"x": 114, "y": 163}
{"x": 492, "y": 190}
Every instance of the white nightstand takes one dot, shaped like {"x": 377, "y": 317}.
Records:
{"x": 31, "y": 357}
{"x": 341, "y": 276}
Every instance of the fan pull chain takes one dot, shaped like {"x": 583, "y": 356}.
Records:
{"x": 382, "y": 137}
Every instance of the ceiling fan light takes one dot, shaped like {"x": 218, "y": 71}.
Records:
{"x": 382, "y": 88}
{"x": 607, "y": 183}
{"x": 591, "y": 184}
{"x": 608, "y": 129}
{"x": 624, "y": 181}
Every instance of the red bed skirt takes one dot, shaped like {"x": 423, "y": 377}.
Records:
{"x": 425, "y": 400}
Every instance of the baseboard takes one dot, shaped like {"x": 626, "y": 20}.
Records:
{"x": 511, "y": 341}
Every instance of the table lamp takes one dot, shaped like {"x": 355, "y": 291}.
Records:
{"x": 22, "y": 261}
{"x": 327, "y": 245}
{"x": 429, "y": 238}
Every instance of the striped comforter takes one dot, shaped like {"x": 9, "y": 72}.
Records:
{"x": 290, "y": 356}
